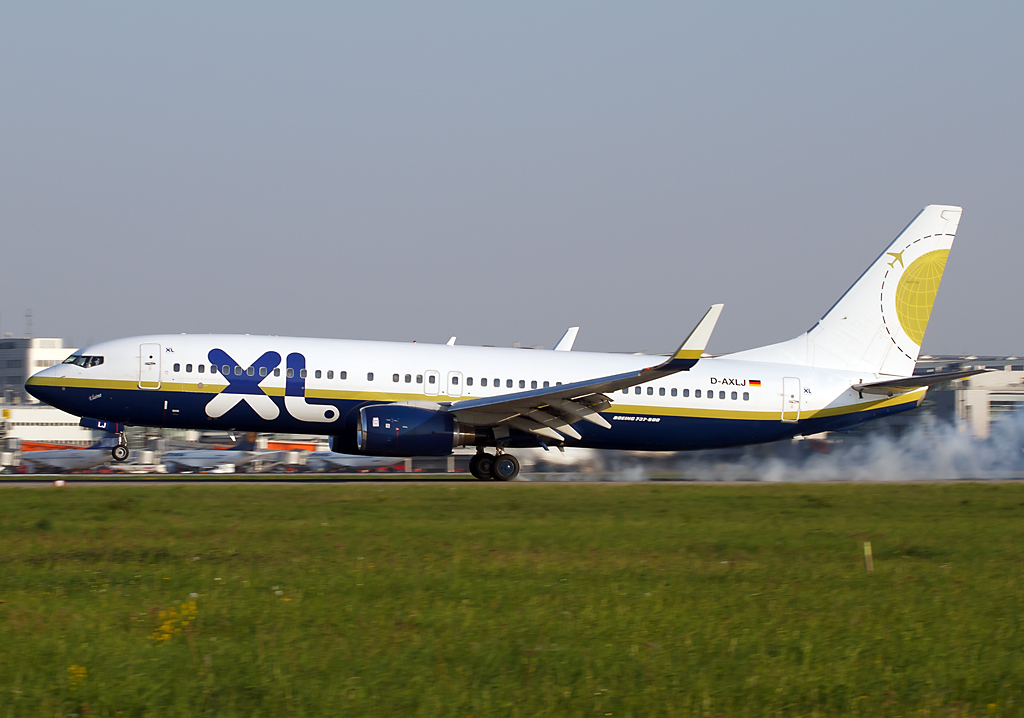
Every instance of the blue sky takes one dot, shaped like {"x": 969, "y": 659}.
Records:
{"x": 501, "y": 171}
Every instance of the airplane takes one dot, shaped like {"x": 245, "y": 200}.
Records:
{"x": 242, "y": 453}
{"x": 333, "y": 461}
{"x": 61, "y": 460}
{"x": 393, "y": 399}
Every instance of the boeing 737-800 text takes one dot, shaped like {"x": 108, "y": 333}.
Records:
{"x": 398, "y": 399}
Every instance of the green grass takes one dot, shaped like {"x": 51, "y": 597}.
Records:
{"x": 513, "y": 600}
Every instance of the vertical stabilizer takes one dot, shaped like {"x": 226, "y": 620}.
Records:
{"x": 878, "y": 325}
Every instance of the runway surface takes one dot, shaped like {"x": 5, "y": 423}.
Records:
{"x": 85, "y": 480}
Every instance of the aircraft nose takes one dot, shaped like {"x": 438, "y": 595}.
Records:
{"x": 45, "y": 384}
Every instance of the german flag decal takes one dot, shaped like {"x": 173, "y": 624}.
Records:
{"x": 754, "y": 382}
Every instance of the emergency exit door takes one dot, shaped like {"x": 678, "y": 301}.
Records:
{"x": 790, "y": 399}
{"x": 149, "y": 366}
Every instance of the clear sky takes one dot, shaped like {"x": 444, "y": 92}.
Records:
{"x": 501, "y": 171}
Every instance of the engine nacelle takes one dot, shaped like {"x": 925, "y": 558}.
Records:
{"x": 400, "y": 430}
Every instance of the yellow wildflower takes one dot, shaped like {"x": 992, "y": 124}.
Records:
{"x": 77, "y": 675}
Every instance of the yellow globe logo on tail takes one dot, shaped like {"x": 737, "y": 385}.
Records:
{"x": 915, "y": 294}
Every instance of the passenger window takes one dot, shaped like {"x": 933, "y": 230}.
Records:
{"x": 419, "y": 378}
{"x": 696, "y": 393}
{"x": 650, "y": 391}
{"x": 508, "y": 383}
{"x": 522, "y": 384}
{"x": 734, "y": 396}
{"x": 675, "y": 392}
{"x": 302, "y": 373}
{"x": 263, "y": 371}
{"x": 250, "y": 371}
{"x": 201, "y": 368}
{"x": 238, "y": 370}
{"x": 369, "y": 376}
{"x": 483, "y": 382}
{"x": 533, "y": 384}
{"x": 746, "y": 396}
{"x": 546, "y": 385}
{"x": 496, "y": 383}
{"x": 431, "y": 379}
{"x": 455, "y": 380}
{"x": 469, "y": 381}
{"x": 721, "y": 395}
{"x": 177, "y": 367}
{"x": 686, "y": 392}
{"x": 188, "y": 368}
{"x": 213, "y": 368}
{"x": 330, "y": 373}
{"x": 317, "y": 374}
{"x": 291, "y": 373}
{"x": 637, "y": 390}
{"x": 343, "y": 375}
{"x": 625, "y": 391}
{"x": 277, "y": 372}
{"x": 395, "y": 378}
{"x": 661, "y": 391}
{"x": 408, "y": 378}
{"x": 558, "y": 383}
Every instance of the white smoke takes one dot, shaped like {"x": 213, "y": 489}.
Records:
{"x": 927, "y": 451}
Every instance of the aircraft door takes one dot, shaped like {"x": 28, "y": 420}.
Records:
{"x": 790, "y": 399}
{"x": 149, "y": 366}
{"x": 455, "y": 383}
{"x": 431, "y": 383}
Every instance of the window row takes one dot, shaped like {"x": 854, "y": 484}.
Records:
{"x": 251, "y": 371}
{"x": 433, "y": 378}
{"x": 686, "y": 393}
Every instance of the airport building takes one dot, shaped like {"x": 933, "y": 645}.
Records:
{"x": 20, "y": 359}
{"x": 979, "y": 401}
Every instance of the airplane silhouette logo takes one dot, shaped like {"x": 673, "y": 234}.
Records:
{"x": 897, "y": 257}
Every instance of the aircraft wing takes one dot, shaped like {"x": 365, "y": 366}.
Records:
{"x": 889, "y": 387}
{"x": 549, "y": 412}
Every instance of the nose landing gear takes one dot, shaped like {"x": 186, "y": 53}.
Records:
{"x": 120, "y": 452}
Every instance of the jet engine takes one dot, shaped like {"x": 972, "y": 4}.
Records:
{"x": 402, "y": 430}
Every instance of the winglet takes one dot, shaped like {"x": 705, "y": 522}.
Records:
{"x": 567, "y": 340}
{"x": 690, "y": 350}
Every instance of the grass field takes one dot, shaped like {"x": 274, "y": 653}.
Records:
{"x": 512, "y": 600}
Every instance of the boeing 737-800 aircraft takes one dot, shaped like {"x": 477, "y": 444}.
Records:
{"x": 396, "y": 399}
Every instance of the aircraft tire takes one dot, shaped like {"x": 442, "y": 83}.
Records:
{"x": 505, "y": 468}
{"x": 480, "y": 466}
{"x": 119, "y": 453}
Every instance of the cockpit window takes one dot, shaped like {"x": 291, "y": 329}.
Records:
{"x": 83, "y": 361}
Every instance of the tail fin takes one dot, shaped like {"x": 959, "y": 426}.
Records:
{"x": 878, "y": 325}
{"x": 246, "y": 443}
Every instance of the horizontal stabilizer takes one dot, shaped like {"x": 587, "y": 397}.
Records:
{"x": 899, "y": 386}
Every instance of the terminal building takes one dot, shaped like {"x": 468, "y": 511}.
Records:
{"x": 979, "y": 401}
{"x": 20, "y": 359}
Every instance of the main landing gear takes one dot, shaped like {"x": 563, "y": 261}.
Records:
{"x": 503, "y": 467}
{"x": 120, "y": 452}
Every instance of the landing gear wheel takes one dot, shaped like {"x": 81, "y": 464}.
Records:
{"x": 119, "y": 452}
{"x": 480, "y": 466}
{"x": 505, "y": 468}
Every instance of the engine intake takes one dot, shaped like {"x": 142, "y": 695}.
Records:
{"x": 399, "y": 430}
